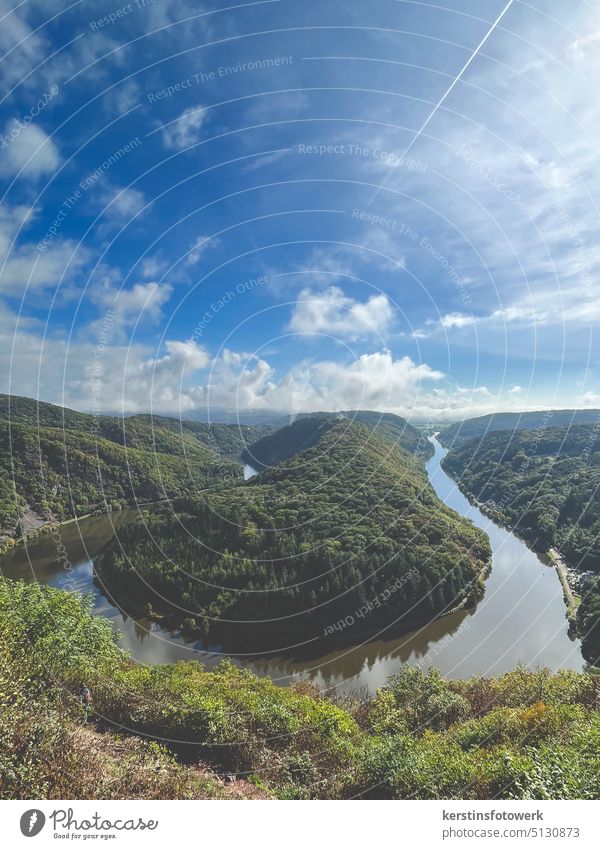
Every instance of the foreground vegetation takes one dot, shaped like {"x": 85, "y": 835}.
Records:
{"x": 166, "y": 731}
{"x": 545, "y": 484}
{"x": 350, "y": 523}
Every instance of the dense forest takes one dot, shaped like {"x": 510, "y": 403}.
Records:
{"x": 231, "y": 734}
{"x": 143, "y": 431}
{"x": 57, "y": 463}
{"x": 349, "y": 524}
{"x": 544, "y": 483}
{"x": 468, "y": 429}
{"x": 230, "y": 440}
{"x": 308, "y": 429}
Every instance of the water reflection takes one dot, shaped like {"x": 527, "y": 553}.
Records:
{"x": 521, "y": 618}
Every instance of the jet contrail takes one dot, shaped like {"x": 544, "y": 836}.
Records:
{"x": 446, "y": 93}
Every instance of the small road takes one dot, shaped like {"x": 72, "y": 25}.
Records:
{"x": 561, "y": 569}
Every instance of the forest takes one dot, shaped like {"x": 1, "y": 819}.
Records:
{"x": 289, "y": 439}
{"x": 302, "y": 544}
{"x": 463, "y": 431}
{"x": 544, "y": 484}
{"x": 181, "y": 732}
{"x": 56, "y": 463}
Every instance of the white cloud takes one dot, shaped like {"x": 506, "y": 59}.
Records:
{"x": 29, "y": 150}
{"x": 153, "y": 266}
{"x": 23, "y": 266}
{"x": 182, "y": 358}
{"x": 141, "y": 301}
{"x": 129, "y": 380}
{"x": 120, "y": 205}
{"x": 199, "y": 248}
{"x": 17, "y": 36}
{"x": 588, "y": 399}
{"x": 333, "y": 313}
{"x": 456, "y": 319}
{"x": 372, "y": 381}
{"x": 123, "y": 98}
{"x": 186, "y": 129}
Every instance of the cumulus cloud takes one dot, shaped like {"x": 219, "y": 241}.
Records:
{"x": 333, "y": 313}
{"x": 153, "y": 266}
{"x": 130, "y": 377}
{"x": 23, "y": 266}
{"x": 28, "y": 150}
{"x": 118, "y": 204}
{"x": 141, "y": 301}
{"x": 25, "y": 45}
{"x": 456, "y": 319}
{"x": 372, "y": 381}
{"x": 199, "y": 247}
{"x": 128, "y": 380}
{"x": 185, "y": 130}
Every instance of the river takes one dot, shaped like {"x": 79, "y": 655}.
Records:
{"x": 521, "y": 618}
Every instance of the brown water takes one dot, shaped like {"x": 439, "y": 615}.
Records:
{"x": 520, "y": 619}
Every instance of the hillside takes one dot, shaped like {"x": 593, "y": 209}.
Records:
{"x": 230, "y": 440}
{"x": 526, "y": 735}
{"x": 307, "y": 429}
{"x": 143, "y": 431}
{"x": 56, "y": 463}
{"x": 460, "y": 432}
{"x": 350, "y": 522}
{"x": 286, "y": 442}
{"x": 52, "y": 475}
{"x": 546, "y": 485}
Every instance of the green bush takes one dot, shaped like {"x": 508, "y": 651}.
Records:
{"x": 523, "y": 735}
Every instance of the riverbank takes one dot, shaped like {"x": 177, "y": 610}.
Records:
{"x": 185, "y": 732}
{"x": 55, "y": 526}
{"x": 520, "y": 620}
{"x": 566, "y": 575}
{"x": 572, "y": 598}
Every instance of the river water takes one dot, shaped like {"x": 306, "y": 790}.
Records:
{"x": 521, "y": 618}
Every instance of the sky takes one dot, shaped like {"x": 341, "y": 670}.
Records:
{"x": 294, "y": 206}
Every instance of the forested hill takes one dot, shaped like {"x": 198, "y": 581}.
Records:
{"x": 56, "y": 463}
{"x": 545, "y": 483}
{"x": 468, "y": 429}
{"x": 350, "y": 524}
{"x": 229, "y": 440}
{"x": 308, "y": 429}
{"x": 143, "y": 431}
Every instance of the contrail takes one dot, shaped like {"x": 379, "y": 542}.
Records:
{"x": 446, "y": 93}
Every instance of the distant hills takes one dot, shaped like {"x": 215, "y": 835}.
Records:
{"x": 472, "y": 428}
{"x": 307, "y": 430}
{"x": 348, "y": 523}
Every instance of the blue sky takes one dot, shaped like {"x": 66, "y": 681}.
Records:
{"x": 234, "y": 207}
